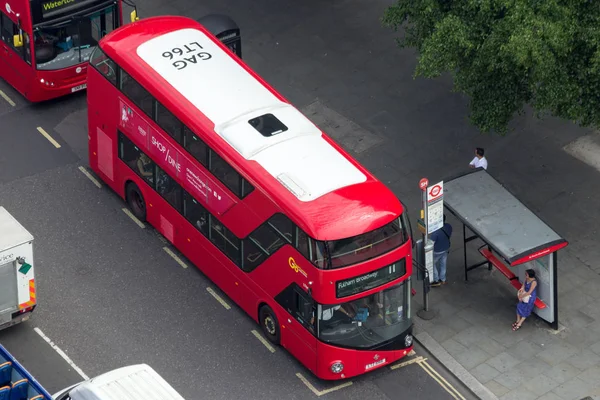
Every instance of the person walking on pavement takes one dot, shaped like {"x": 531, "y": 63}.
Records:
{"x": 441, "y": 247}
{"x": 527, "y": 295}
{"x": 479, "y": 161}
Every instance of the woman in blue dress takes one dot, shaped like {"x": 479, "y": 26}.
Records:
{"x": 527, "y": 295}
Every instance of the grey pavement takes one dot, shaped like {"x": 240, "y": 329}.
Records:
{"x": 334, "y": 62}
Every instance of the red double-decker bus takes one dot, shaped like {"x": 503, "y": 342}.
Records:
{"x": 282, "y": 219}
{"x": 46, "y": 44}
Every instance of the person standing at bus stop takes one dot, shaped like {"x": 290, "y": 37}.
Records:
{"x": 441, "y": 248}
{"x": 479, "y": 161}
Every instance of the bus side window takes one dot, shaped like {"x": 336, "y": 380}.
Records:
{"x": 169, "y": 189}
{"x": 137, "y": 93}
{"x": 284, "y": 226}
{"x": 252, "y": 255}
{"x": 224, "y": 239}
{"x": 304, "y": 310}
{"x": 104, "y": 65}
{"x": 195, "y": 146}
{"x": 225, "y": 173}
{"x": 166, "y": 120}
{"x": 8, "y": 29}
{"x": 195, "y": 213}
{"x": 139, "y": 162}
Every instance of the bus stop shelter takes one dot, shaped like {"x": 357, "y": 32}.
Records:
{"x": 510, "y": 237}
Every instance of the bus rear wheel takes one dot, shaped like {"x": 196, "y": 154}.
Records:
{"x": 135, "y": 201}
{"x": 269, "y": 324}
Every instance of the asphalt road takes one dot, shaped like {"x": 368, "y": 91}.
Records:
{"x": 109, "y": 295}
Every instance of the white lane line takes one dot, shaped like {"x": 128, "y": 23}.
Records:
{"x": 218, "y": 298}
{"x": 405, "y": 363}
{"x": 61, "y": 353}
{"x": 47, "y": 136}
{"x": 175, "y": 257}
{"x": 90, "y": 177}
{"x": 5, "y": 97}
{"x": 130, "y": 215}
{"x": 320, "y": 393}
{"x": 264, "y": 341}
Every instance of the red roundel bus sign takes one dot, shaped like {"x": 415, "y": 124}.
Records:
{"x": 435, "y": 191}
{"x": 423, "y": 183}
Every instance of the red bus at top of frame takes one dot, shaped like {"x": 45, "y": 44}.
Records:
{"x": 281, "y": 152}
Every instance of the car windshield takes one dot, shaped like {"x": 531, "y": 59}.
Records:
{"x": 368, "y": 321}
{"x": 71, "y": 42}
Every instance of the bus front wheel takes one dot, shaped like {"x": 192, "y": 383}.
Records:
{"x": 135, "y": 201}
{"x": 269, "y": 324}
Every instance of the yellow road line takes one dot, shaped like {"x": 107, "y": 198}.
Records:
{"x": 218, "y": 298}
{"x": 320, "y": 393}
{"x": 263, "y": 341}
{"x": 5, "y": 97}
{"x": 47, "y": 136}
{"x": 441, "y": 381}
{"x": 408, "y": 362}
{"x": 90, "y": 177}
{"x": 175, "y": 257}
{"x": 130, "y": 215}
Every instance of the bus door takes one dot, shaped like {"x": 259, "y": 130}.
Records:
{"x": 15, "y": 55}
{"x": 299, "y": 336}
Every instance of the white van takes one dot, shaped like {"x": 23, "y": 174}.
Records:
{"x": 136, "y": 382}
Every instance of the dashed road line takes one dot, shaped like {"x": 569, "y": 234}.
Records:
{"x": 133, "y": 217}
{"x": 47, "y": 136}
{"x": 320, "y": 393}
{"x": 264, "y": 341}
{"x": 61, "y": 353}
{"x": 440, "y": 380}
{"x": 218, "y": 298}
{"x": 175, "y": 257}
{"x": 8, "y": 99}
{"x": 90, "y": 176}
{"x": 408, "y": 362}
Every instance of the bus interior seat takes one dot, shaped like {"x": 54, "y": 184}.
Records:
{"x": 5, "y": 393}
{"x": 19, "y": 390}
{"x": 5, "y": 374}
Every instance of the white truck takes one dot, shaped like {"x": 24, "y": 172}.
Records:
{"x": 17, "y": 280}
{"x": 134, "y": 382}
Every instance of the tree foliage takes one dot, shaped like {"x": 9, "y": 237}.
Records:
{"x": 505, "y": 54}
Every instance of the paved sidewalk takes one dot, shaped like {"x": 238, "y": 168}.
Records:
{"x": 473, "y": 326}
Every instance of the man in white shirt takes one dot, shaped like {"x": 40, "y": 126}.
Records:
{"x": 479, "y": 161}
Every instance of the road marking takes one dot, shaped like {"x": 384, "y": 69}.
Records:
{"x": 90, "y": 177}
{"x": 405, "y": 363}
{"x": 218, "y": 298}
{"x": 320, "y": 393}
{"x": 47, "y": 136}
{"x": 5, "y": 97}
{"x": 412, "y": 353}
{"x": 175, "y": 257}
{"x": 61, "y": 353}
{"x": 130, "y": 215}
{"x": 263, "y": 341}
{"x": 441, "y": 381}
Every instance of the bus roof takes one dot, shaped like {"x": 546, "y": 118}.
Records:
{"x": 279, "y": 150}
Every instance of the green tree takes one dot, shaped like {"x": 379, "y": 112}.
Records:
{"x": 505, "y": 54}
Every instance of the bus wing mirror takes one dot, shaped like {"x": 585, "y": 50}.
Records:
{"x": 133, "y": 16}
{"x": 18, "y": 41}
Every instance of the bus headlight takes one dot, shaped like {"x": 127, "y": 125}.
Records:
{"x": 337, "y": 367}
{"x": 408, "y": 340}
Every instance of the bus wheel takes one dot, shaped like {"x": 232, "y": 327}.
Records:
{"x": 269, "y": 324}
{"x": 135, "y": 201}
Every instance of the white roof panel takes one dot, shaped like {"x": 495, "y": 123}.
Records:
{"x": 135, "y": 382}
{"x": 12, "y": 233}
{"x": 299, "y": 157}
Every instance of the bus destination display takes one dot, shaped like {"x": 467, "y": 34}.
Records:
{"x": 371, "y": 280}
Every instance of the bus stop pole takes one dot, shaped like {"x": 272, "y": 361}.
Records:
{"x": 426, "y": 257}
